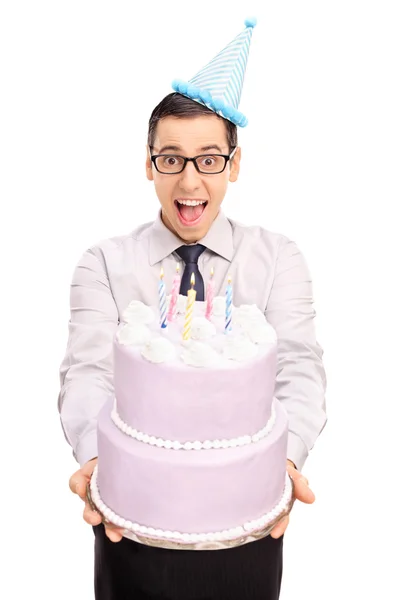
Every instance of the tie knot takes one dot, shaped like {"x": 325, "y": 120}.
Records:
{"x": 190, "y": 254}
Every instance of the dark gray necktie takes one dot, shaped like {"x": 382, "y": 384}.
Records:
{"x": 190, "y": 256}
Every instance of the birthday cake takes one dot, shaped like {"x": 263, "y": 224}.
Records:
{"x": 192, "y": 449}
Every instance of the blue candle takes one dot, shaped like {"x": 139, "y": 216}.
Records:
{"x": 228, "y": 306}
{"x": 163, "y": 301}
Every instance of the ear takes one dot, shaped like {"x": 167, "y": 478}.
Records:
{"x": 235, "y": 165}
{"x": 149, "y": 165}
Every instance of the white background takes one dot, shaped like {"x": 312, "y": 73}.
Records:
{"x": 320, "y": 164}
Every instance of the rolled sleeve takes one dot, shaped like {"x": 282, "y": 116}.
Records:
{"x": 301, "y": 378}
{"x": 86, "y": 372}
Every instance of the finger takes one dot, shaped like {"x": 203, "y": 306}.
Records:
{"x": 77, "y": 484}
{"x": 79, "y": 480}
{"x": 73, "y": 480}
{"x": 91, "y": 516}
{"x": 114, "y": 534}
{"x": 295, "y": 474}
{"x": 304, "y": 480}
{"x": 88, "y": 468}
{"x": 280, "y": 528}
{"x": 302, "y": 491}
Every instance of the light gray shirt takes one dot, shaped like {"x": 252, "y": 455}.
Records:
{"x": 267, "y": 269}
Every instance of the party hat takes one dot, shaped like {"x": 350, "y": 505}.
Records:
{"x": 219, "y": 84}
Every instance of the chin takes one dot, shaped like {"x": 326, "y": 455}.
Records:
{"x": 188, "y": 232}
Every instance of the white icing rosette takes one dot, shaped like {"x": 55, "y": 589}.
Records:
{"x": 159, "y": 350}
{"x": 248, "y": 315}
{"x": 253, "y": 323}
{"x": 198, "y": 354}
{"x": 239, "y": 348}
{"x": 219, "y": 306}
{"x": 133, "y": 335}
{"x": 261, "y": 333}
{"x": 202, "y": 329}
{"x": 181, "y": 303}
{"x": 137, "y": 312}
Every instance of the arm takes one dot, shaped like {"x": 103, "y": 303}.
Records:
{"x": 301, "y": 380}
{"x": 86, "y": 375}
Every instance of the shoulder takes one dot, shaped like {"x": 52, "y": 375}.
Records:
{"x": 260, "y": 236}
{"x": 118, "y": 245}
{"x": 118, "y": 241}
{"x": 268, "y": 248}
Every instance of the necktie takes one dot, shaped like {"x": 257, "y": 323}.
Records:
{"x": 190, "y": 256}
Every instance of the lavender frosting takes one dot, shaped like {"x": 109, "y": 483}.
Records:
{"x": 193, "y": 491}
{"x": 179, "y": 399}
{"x": 203, "y": 393}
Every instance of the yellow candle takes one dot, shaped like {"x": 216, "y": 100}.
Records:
{"x": 189, "y": 310}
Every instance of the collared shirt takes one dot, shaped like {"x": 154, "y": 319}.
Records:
{"x": 267, "y": 269}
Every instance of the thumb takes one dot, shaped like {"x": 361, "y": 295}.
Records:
{"x": 302, "y": 491}
{"x": 79, "y": 480}
{"x": 77, "y": 484}
{"x": 88, "y": 468}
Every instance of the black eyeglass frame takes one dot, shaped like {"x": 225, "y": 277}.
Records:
{"x": 227, "y": 157}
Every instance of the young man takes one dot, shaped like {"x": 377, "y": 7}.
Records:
{"x": 192, "y": 157}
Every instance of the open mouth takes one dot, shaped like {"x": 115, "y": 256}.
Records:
{"x": 190, "y": 212}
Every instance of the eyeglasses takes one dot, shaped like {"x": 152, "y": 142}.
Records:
{"x": 208, "y": 164}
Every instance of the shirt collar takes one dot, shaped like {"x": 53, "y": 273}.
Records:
{"x": 218, "y": 239}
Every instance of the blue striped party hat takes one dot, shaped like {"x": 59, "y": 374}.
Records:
{"x": 219, "y": 84}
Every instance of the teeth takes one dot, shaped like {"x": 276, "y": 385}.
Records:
{"x": 191, "y": 202}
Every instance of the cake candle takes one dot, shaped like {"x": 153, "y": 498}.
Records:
{"x": 210, "y": 296}
{"x": 174, "y": 295}
{"x": 228, "y": 309}
{"x": 189, "y": 310}
{"x": 163, "y": 301}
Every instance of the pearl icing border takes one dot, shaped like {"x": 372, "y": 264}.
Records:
{"x": 197, "y": 445}
{"x": 218, "y": 536}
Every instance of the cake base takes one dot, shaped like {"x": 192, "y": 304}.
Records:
{"x": 159, "y": 539}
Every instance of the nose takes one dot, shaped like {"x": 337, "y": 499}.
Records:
{"x": 190, "y": 179}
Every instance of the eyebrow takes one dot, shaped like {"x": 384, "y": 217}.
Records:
{"x": 179, "y": 149}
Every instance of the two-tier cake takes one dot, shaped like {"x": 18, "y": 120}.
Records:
{"x": 192, "y": 449}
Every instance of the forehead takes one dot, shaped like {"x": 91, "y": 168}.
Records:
{"x": 191, "y": 134}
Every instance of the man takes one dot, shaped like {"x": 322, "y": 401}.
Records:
{"x": 192, "y": 156}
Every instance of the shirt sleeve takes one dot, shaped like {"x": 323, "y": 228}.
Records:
{"x": 301, "y": 378}
{"x": 86, "y": 372}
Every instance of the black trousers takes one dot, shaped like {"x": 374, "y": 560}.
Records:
{"x": 127, "y": 570}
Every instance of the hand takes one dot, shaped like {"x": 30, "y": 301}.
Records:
{"x": 77, "y": 484}
{"x": 301, "y": 492}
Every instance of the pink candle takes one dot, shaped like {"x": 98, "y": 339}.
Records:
{"x": 174, "y": 295}
{"x": 210, "y": 296}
